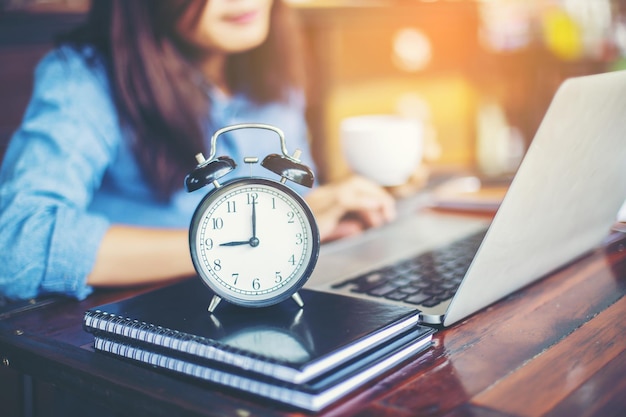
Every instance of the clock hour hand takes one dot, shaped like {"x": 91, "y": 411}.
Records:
{"x": 236, "y": 243}
{"x": 253, "y": 241}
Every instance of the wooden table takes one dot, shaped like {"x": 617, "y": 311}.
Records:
{"x": 555, "y": 348}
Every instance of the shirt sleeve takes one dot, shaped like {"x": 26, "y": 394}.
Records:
{"x": 54, "y": 163}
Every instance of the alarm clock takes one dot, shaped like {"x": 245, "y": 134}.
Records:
{"x": 253, "y": 240}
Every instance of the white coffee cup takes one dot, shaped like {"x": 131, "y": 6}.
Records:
{"x": 387, "y": 149}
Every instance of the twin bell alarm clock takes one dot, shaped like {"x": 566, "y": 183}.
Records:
{"x": 253, "y": 240}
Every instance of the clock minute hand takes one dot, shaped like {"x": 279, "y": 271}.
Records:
{"x": 253, "y": 219}
{"x": 254, "y": 241}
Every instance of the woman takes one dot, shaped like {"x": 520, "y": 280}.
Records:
{"x": 91, "y": 185}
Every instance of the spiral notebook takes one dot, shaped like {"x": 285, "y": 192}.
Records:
{"x": 282, "y": 341}
{"x": 313, "y": 395}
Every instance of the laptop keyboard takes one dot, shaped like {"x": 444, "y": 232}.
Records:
{"x": 426, "y": 279}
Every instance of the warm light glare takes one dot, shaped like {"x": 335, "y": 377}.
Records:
{"x": 412, "y": 49}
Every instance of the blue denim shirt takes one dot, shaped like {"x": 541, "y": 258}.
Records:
{"x": 69, "y": 173}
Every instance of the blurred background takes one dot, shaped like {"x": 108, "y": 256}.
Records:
{"x": 479, "y": 74}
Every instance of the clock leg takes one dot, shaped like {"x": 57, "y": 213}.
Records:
{"x": 296, "y": 297}
{"x": 214, "y": 302}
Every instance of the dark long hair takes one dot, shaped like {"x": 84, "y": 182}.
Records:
{"x": 156, "y": 88}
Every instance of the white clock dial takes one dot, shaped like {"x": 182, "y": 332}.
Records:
{"x": 254, "y": 241}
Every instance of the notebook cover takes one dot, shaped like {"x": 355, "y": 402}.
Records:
{"x": 313, "y": 395}
{"x": 282, "y": 341}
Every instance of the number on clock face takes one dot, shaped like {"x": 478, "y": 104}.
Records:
{"x": 253, "y": 240}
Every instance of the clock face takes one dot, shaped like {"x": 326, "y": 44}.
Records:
{"x": 254, "y": 241}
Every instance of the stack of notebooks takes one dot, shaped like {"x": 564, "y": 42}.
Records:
{"x": 307, "y": 358}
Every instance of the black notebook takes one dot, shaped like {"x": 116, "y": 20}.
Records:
{"x": 282, "y": 341}
{"x": 313, "y": 395}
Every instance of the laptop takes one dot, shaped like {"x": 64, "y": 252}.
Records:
{"x": 560, "y": 205}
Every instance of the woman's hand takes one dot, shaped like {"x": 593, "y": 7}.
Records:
{"x": 350, "y": 206}
{"x": 132, "y": 255}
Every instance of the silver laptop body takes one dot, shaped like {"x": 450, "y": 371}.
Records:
{"x": 561, "y": 204}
